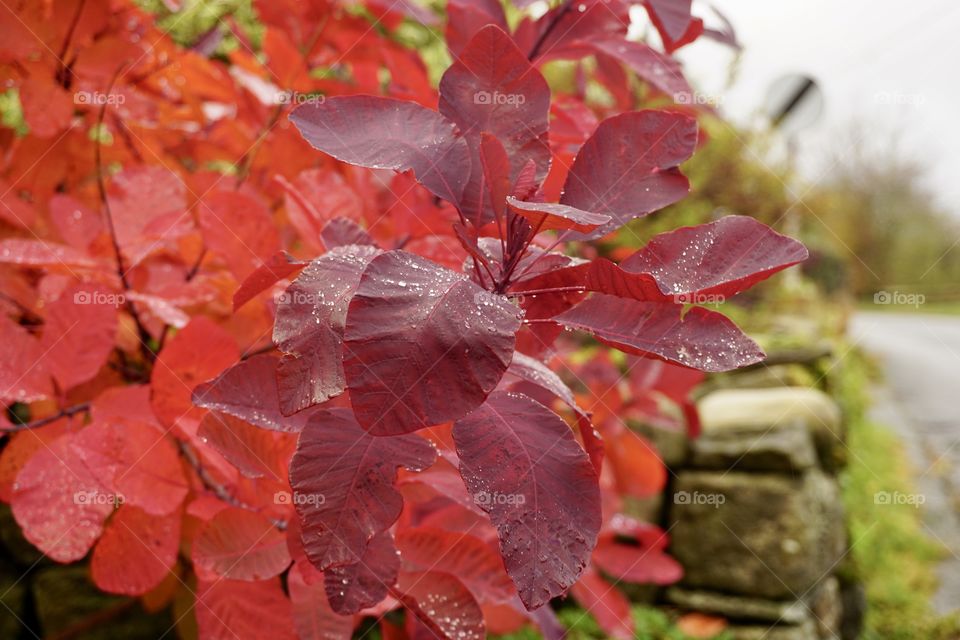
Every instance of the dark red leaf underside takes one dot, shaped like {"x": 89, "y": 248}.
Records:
{"x": 628, "y": 167}
{"x": 524, "y": 468}
{"x": 423, "y": 345}
{"x": 309, "y": 327}
{"x": 384, "y": 133}
{"x": 248, "y": 390}
{"x": 364, "y": 583}
{"x": 343, "y": 484}
{"x": 719, "y": 258}
{"x": 700, "y": 339}
{"x": 492, "y": 87}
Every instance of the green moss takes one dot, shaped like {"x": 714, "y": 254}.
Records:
{"x": 650, "y": 624}
{"x": 891, "y": 555}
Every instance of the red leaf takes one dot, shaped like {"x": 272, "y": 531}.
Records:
{"x": 240, "y": 545}
{"x": 23, "y": 374}
{"x": 473, "y": 561}
{"x": 536, "y": 378}
{"x": 277, "y": 267}
{"x": 720, "y": 258}
{"x": 606, "y": 604}
{"x": 229, "y": 609}
{"x": 414, "y": 328}
{"x": 255, "y": 452}
{"x": 466, "y": 17}
{"x": 13, "y": 209}
{"x": 239, "y": 228}
{"x": 636, "y": 465}
{"x": 309, "y": 327}
{"x": 526, "y": 470}
{"x": 40, "y": 253}
{"x": 59, "y": 504}
{"x": 47, "y": 107}
{"x": 366, "y": 582}
{"x": 670, "y": 17}
{"x": 637, "y": 564}
{"x": 312, "y": 616}
{"x": 79, "y": 333}
{"x": 606, "y": 277}
{"x": 628, "y": 167}
{"x": 136, "y": 551}
{"x": 657, "y": 69}
{"x": 496, "y": 175}
{"x": 342, "y": 231}
{"x": 78, "y": 226}
{"x": 700, "y": 339}
{"x": 492, "y": 87}
{"x": 136, "y": 461}
{"x": 248, "y": 390}
{"x": 383, "y": 133}
{"x": 546, "y": 216}
{"x": 342, "y": 478}
{"x": 197, "y": 353}
{"x": 148, "y": 205}
{"x": 442, "y": 603}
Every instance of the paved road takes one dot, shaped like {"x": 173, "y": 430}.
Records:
{"x": 920, "y": 355}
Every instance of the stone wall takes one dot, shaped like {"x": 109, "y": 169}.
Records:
{"x": 756, "y": 519}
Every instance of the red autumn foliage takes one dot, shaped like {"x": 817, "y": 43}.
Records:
{"x": 312, "y": 393}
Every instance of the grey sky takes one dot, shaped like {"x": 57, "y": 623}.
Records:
{"x": 894, "y": 67}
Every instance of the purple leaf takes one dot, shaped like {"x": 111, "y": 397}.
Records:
{"x": 628, "y": 167}
{"x": 700, "y": 339}
{"x": 524, "y": 467}
{"x": 545, "y": 216}
{"x": 364, "y": 583}
{"x": 343, "y": 484}
{"x": 606, "y": 277}
{"x": 657, "y": 69}
{"x": 671, "y": 17}
{"x": 423, "y": 344}
{"x": 248, "y": 390}
{"x": 493, "y": 88}
{"x": 342, "y": 231}
{"x": 383, "y": 133}
{"x": 720, "y": 258}
{"x": 309, "y": 327}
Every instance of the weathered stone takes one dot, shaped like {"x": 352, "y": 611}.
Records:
{"x": 740, "y": 607}
{"x": 779, "y": 632}
{"x": 754, "y": 534}
{"x": 826, "y": 606}
{"x": 751, "y": 409}
{"x": 767, "y": 377}
{"x": 785, "y": 448}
